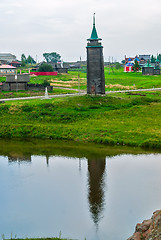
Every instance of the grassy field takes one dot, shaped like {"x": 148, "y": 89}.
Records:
{"x": 122, "y": 118}
{"x": 115, "y": 79}
{"x": 118, "y": 79}
{"x": 13, "y": 94}
{"x": 117, "y": 119}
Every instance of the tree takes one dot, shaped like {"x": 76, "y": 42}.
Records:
{"x": 23, "y": 60}
{"x": 23, "y": 64}
{"x": 52, "y": 57}
{"x": 136, "y": 66}
{"x": 30, "y": 60}
{"x": 153, "y": 59}
{"x": 159, "y": 57}
{"x": 117, "y": 65}
{"x": 45, "y": 68}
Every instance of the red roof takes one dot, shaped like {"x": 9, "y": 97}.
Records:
{"x": 15, "y": 62}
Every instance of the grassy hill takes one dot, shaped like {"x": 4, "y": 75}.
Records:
{"x": 122, "y": 119}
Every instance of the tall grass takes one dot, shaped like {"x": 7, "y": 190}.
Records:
{"x": 120, "y": 119}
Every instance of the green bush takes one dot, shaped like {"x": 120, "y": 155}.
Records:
{"x": 45, "y": 68}
{"x": 46, "y": 83}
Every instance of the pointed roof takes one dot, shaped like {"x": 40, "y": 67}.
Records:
{"x": 148, "y": 64}
{"x": 94, "y": 35}
{"x": 157, "y": 60}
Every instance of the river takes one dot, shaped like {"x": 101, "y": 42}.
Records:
{"x": 51, "y": 189}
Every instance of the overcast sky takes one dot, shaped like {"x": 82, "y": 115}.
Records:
{"x": 35, "y": 26}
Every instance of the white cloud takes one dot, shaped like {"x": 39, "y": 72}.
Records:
{"x": 9, "y": 12}
{"x": 126, "y": 27}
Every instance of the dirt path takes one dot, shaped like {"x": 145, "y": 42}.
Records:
{"x": 77, "y": 94}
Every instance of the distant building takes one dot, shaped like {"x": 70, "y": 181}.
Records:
{"x": 130, "y": 63}
{"x": 15, "y": 64}
{"x": 7, "y": 57}
{"x": 75, "y": 65}
{"x": 128, "y": 67}
{"x": 16, "y": 82}
{"x": 149, "y": 69}
{"x": 57, "y": 67}
{"x": 127, "y": 59}
{"x": 144, "y": 59}
{"x": 7, "y": 69}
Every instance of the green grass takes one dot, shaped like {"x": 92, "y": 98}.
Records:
{"x": 114, "y": 80}
{"x": 2, "y": 79}
{"x": 117, "y": 119}
{"x": 13, "y": 94}
{"x": 63, "y": 77}
{"x": 133, "y": 80}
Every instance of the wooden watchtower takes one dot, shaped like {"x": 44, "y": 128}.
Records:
{"x": 95, "y": 64}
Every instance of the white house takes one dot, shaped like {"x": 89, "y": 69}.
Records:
{"x": 8, "y": 57}
{"x": 7, "y": 69}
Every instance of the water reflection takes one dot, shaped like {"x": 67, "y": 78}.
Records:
{"x": 21, "y": 152}
{"x": 47, "y": 160}
{"x": 96, "y": 185}
{"x": 73, "y": 202}
{"x": 20, "y": 159}
{"x": 16, "y": 158}
{"x": 96, "y": 173}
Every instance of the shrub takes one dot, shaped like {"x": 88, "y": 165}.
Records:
{"x": 45, "y": 68}
{"x": 46, "y": 83}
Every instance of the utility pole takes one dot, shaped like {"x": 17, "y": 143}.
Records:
{"x": 78, "y": 81}
{"x": 112, "y": 65}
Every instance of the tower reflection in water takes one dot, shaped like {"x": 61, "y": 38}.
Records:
{"x": 96, "y": 185}
{"x": 96, "y": 188}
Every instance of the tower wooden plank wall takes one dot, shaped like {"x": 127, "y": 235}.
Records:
{"x": 95, "y": 64}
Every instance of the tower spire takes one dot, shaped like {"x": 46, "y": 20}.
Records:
{"x": 94, "y": 35}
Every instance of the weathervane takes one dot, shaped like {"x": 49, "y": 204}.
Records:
{"x": 94, "y": 18}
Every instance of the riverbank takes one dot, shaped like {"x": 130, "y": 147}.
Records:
{"x": 131, "y": 119}
{"x": 149, "y": 229}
